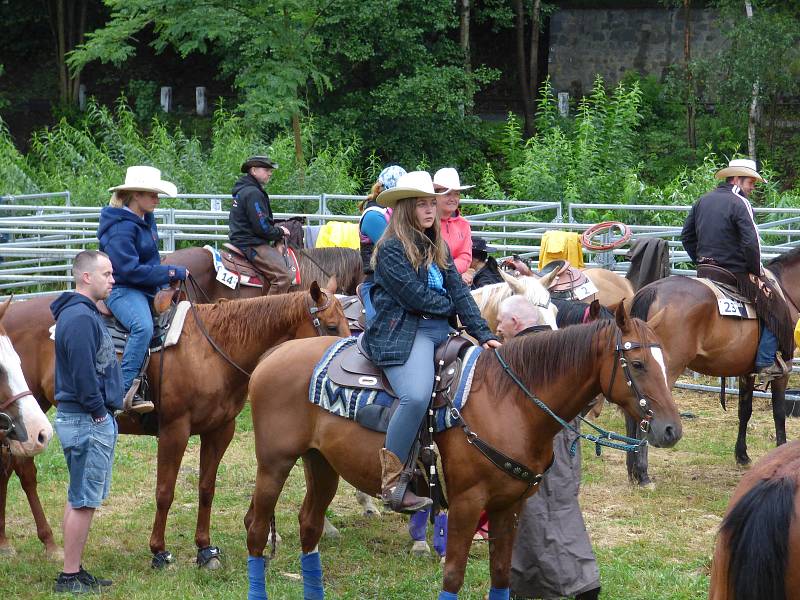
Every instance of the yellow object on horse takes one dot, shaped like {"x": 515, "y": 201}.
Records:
{"x": 339, "y": 235}
{"x": 797, "y": 334}
{"x": 564, "y": 245}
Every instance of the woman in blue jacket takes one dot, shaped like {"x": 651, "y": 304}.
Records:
{"x": 129, "y": 236}
{"x": 417, "y": 291}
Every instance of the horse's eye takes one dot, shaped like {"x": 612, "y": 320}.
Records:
{"x": 638, "y": 365}
{"x": 333, "y": 328}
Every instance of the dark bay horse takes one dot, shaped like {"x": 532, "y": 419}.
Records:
{"x": 200, "y": 393}
{"x": 566, "y": 369}
{"x": 757, "y": 554}
{"x": 318, "y": 264}
{"x": 694, "y": 335}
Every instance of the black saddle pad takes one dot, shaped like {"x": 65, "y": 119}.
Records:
{"x": 119, "y": 334}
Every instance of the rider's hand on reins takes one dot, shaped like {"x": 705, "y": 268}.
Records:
{"x": 491, "y": 344}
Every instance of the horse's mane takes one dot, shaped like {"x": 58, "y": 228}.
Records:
{"x": 782, "y": 260}
{"x": 643, "y": 300}
{"x": 244, "y": 321}
{"x": 344, "y": 263}
{"x": 571, "y": 312}
{"x": 539, "y": 358}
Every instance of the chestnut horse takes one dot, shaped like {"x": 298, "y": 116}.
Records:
{"x": 757, "y": 554}
{"x": 200, "y": 391}
{"x": 566, "y": 369}
{"x": 318, "y": 264}
{"x": 694, "y": 335}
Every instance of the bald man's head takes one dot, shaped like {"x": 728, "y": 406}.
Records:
{"x": 515, "y": 314}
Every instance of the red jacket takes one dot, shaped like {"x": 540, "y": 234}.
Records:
{"x": 458, "y": 235}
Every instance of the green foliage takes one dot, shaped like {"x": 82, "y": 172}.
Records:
{"x": 15, "y": 174}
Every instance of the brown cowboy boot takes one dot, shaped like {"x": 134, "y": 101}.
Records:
{"x": 776, "y": 370}
{"x": 134, "y": 402}
{"x": 391, "y": 469}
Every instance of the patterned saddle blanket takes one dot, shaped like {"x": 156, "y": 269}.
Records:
{"x": 373, "y": 408}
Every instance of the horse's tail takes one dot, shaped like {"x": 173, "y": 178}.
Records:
{"x": 642, "y": 301}
{"x": 757, "y": 532}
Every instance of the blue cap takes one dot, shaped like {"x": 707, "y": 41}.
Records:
{"x": 390, "y": 175}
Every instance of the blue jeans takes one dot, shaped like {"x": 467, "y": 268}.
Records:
{"x": 89, "y": 451}
{"x": 131, "y": 307}
{"x": 413, "y": 384}
{"x": 369, "y": 310}
{"x": 767, "y": 347}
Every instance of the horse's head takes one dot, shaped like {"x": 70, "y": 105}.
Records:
{"x": 327, "y": 314}
{"x": 23, "y": 425}
{"x": 634, "y": 377}
{"x": 489, "y": 297}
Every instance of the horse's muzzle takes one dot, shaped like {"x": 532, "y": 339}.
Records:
{"x": 664, "y": 434}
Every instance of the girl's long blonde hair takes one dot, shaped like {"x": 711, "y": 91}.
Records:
{"x": 121, "y": 198}
{"x": 403, "y": 226}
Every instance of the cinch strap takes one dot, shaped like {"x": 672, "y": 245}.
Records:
{"x": 255, "y": 575}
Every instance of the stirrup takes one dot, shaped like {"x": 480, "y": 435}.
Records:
{"x": 395, "y": 499}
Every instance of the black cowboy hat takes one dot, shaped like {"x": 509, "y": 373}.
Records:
{"x": 259, "y": 161}
{"x": 479, "y": 244}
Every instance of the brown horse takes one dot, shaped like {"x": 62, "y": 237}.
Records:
{"x": 757, "y": 554}
{"x": 565, "y": 368}
{"x": 200, "y": 391}
{"x": 319, "y": 264}
{"x": 694, "y": 335}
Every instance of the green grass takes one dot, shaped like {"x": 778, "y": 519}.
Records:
{"x": 650, "y": 544}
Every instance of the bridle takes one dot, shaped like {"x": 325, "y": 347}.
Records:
{"x": 644, "y": 401}
{"x": 314, "y": 310}
{"x": 6, "y": 422}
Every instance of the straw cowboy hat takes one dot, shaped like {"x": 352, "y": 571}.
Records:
{"x": 740, "y": 167}
{"x": 145, "y": 179}
{"x": 416, "y": 184}
{"x": 448, "y": 178}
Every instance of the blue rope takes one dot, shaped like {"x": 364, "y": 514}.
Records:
{"x": 605, "y": 438}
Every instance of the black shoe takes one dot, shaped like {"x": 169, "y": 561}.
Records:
{"x": 87, "y": 577}
{"x": 74, "y": 584}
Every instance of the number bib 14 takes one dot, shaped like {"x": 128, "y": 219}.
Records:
{"x": 227, "y": 277}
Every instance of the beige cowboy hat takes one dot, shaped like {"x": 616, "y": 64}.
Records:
{"x": 448, "y": 178}
{"x": 416, "y": 184}
{"x": 740, "y": 167}
{"x": 146, "y": 179}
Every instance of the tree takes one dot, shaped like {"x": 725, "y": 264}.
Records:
{"x": 68, "y": 24}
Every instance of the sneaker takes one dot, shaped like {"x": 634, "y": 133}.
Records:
{"x": 87, "y": 577}
{"x": 74, "y": 584}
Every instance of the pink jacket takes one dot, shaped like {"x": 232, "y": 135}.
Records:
{"x": 458, "y": 235}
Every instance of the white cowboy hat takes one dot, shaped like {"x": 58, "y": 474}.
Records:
{"x": 740, "y": 167}
{"x": 146, "y": 179}
{"x": 416, "y": 184}
{"x": 448, "y": 178}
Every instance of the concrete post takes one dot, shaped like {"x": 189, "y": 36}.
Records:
{"x": 166, "y": 99}
{"x": 82, "y": 96}
{"x": 563, "y": 104}
{"x": 200, "y": 101}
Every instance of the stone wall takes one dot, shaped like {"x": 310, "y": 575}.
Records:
{"x": 587, "y": 42}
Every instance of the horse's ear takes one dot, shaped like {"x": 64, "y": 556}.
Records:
{"x": 316, "y": 293}
{"x": 655, "y": 321}
{"x": 547, "y": 280}
{"x": 5, "y": 306}
{"x": 594, "y": 310}
{"x": 622, "y": 318}
{"x": 332, "y": 284}
{"x": 517, "y": 287}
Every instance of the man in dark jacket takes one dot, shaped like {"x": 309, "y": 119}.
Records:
{"x": 88, "y": 389}
{"x": 552, "y": 556}
{"x": 484, "y": 269}
{"x": 252, "y": 228}
{"x": 720, "y": 230}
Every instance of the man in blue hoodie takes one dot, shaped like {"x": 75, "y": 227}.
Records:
{"x": 252, "y": 226}
{"x": 88, "y": 389}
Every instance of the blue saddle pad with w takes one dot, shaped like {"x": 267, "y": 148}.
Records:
{"x": 373, "y": 408}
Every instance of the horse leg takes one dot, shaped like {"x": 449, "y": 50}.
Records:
{"x": 5, "y": 474}
{"x": 636, "y": 461}
{"x": 462, "y": 520}
{"x": 270, "y": 477}
{"x": 745, "y": 412}
{"x": 26, "y": 471}
{"x": 367, "y": 502}
{"x": 779, "y": 409}
{"x": 321, "y": 485}
{"x": 502, "y": 531}
{"x": 172, "y": 442}
{"x": 212, "y": 447}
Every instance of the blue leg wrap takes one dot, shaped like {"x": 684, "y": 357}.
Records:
{"x": 447, "y": 595}
{"x": 418, "y": 524}
{"x": 255, "y": 575}
{"x": 440, "y": 533}
{"x": 311, "y": 565}
{"x": 499, "y": 594}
